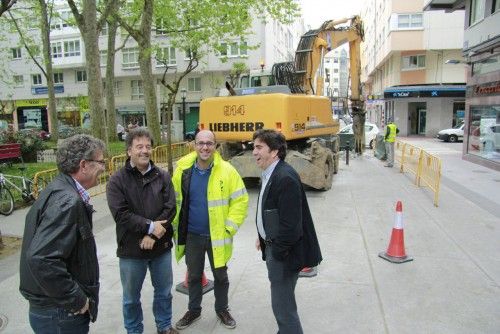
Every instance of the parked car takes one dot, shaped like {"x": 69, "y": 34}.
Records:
{"x": 371, "y": 131}
{"x": 452, "y": 135}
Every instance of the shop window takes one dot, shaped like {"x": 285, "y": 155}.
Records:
{"x": 484, "y": 132}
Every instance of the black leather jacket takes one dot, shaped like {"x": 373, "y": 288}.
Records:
{"x": 59, "y": 265}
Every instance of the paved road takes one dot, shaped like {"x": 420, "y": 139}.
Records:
{"x": 452, "y": 286}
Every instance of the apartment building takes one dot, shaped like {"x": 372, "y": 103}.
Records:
{"x": 481, "y": 50}
{"x": 24, "y": 91}
{"x": 406, "y": 70}
{"x": 336, "y": 76}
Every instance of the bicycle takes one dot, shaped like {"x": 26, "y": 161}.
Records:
{"x": 26, "y": 188}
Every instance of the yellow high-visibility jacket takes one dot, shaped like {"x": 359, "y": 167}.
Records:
{"x": 391, "y": 131}
{"x": 227, "y": 200}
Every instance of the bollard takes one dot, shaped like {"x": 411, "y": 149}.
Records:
{"x": 347, "y": 149}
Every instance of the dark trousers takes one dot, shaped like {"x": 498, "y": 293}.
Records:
{"x": 283, "y": 283}
{"x": 58, "y": 320}
{"x": 196, "y": 247}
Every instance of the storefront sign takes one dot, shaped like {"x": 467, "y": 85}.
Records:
{"x": 31, "y": 103}
{"x": 45, "y": 90}
{"x": 424, "y": 91}
{"x": 492, "y": 88}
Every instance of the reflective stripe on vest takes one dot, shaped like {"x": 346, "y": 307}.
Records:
{"x": 230, "y": 223}
{"x": 222, "y": 242}
{"x": 217, "y": 202}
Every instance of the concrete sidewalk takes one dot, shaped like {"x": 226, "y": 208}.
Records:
{"x": 452, "y": 286}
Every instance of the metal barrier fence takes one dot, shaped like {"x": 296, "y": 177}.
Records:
{"x": 425, "y": 166}
{"x": 159, "y": 156}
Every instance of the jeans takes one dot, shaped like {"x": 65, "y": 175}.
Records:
{"x": 58, "y": 321}
{"x": 389, "y": 149}
{"x": 283, "y": 302}
{"x": 132, "y": 274}
{"x": 196, "y": 246}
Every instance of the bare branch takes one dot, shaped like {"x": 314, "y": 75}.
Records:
{"x": 25, "y": 44}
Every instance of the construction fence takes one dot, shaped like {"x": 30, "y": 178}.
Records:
{"x": 159, "y": 156}
{"x": 416, "y": 161}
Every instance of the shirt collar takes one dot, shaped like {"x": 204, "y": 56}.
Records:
{"x": 84, "y": 194}
{"x": 143, "y": 173}
{"x": 202, "y": 171}
{"x": 269, "y": 170}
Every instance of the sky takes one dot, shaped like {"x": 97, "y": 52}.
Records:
{"x": 315, "y": 12}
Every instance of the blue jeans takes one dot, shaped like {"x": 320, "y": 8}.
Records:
{"x": 58, "y": 321}
{"x": 132, "y": 274}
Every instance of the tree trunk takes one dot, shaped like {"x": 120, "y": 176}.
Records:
{"x": 47, "y": 57}
{"x": 110, "y": 81}
{"x": 149, "y": 82}
{"x": 92, "y": 57}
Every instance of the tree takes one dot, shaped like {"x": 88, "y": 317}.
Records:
{"x": 236, "y": 71}
{"x": 197, "y": 27}
{"x": 89, "y": 25}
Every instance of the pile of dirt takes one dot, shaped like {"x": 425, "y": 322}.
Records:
{"x": 10, "y": 246}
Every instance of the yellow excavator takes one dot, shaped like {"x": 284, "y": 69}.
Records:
{"x": 292, "y": 103}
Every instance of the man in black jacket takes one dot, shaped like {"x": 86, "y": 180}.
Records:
{"x": 287, "y": 237}
{"x": 142, "y": 201}
{"x": 59, "y": 272}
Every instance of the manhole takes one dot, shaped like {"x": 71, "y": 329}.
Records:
{"x": 3, "y": 321}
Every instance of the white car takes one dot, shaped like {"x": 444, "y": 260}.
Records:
{"x": 371, "y": 131}
{"x": 452, "y": 135}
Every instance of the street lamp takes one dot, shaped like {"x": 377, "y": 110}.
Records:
{"x": 183, "y": 96}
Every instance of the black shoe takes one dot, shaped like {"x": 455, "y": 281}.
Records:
{"x": 187, "y": 319}
{"x": 226, "y": 319}
{"x": 171, "y": 330}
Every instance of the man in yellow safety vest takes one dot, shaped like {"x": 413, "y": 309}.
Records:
{"x": 391, "y": 130}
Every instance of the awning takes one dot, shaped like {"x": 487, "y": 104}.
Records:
{"x": 133, "y": 110}
{"x": 425, "y": 91}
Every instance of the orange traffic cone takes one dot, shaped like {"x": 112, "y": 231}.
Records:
{"x": 308, "y": 272}
{"x": 396, "y": 251}
{"x": 205, "y": 283}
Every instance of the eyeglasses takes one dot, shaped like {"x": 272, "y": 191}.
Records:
{"x": 207, "y": 144}
{"x": 102, "y": 162}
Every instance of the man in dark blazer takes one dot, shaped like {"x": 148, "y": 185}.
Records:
{"x": 286, "y": 232}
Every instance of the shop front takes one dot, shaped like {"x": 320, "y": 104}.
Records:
{"x": 483, "y": 127}
{"x": 424, "y": 110}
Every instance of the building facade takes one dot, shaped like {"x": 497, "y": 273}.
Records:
{"x": 23, "y": 91}
{"x": 481, "y": 50}
{"x": 336, "y": 64}
{"x": 406, "y": 73}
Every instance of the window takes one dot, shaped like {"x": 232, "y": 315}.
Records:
{"x": 188, "y": 55}
{"x": 413, "y": 62}
{"x": 335, "y": 70}
{"x": 104, "y": 29}
{"x": 36, "y": 79}
{"x": 130, "y": 58}
{"x": 194, "y": 84}
{"x": 56, "y": 49}
{"x": 166, "y": 55}
{"x": 410, "y": 21}
{"x": 137, "y": 89}
{"x": 234, "y": 49}
{"x": 81, "y": 76}
{"x": 18, "y": 80}
{"x": 58, "y": 78}
{"x": 61, "y": 20}
{"x": 72, "y": 48}
{"x": 335, "y": 60}
{"x": 160, "y": 27}
{"x": 476, "y": 11}
{"x": 103, "y": 57}
{"x": 118, "y": 88}
{"x": 16, "y": 53}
